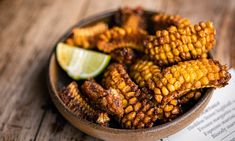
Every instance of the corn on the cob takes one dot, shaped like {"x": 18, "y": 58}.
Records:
{"x": 144, "y": 73}
{"x": 177, "y": 80}
{"x": 77, "y": 104}
{"x": 86, "y": 37}
{"x": 137, "y": 113}
{"x": 121, "y": 38}
{"x": 191, "y": 75}
{"x": 169, "y": 111}
{"x": 162, "y": 21}
{"x": 108, "y": 100}
{"x": 133, "y": 18}
{"x": 174, "y": 108}
{"x": 123, "y": 55}
{"x": 176, "y": 44}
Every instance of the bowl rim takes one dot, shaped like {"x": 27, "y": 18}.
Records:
{"x": 54, "y": 93}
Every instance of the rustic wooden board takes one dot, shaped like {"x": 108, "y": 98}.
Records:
{"x": 29, "y": 29}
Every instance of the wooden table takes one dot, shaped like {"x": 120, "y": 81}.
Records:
{"x": 29, "y": 29}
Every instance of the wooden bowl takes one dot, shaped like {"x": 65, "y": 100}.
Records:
{"x": 57, "y": 79}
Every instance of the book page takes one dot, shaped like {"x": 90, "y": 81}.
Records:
{"x": 217, "y": 122}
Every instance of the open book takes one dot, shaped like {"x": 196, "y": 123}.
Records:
{"x": 217, "y": 122}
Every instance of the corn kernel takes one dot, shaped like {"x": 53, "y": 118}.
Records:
{"x": 168, "y": 108}
{"x": 204, "y": 81}
{"x": 137, "y": 106}
{"x": 132, "y": 100}
{"x": 170, "y": 87}
{"x": 158, "y": 98}
{"x": 131, "y": 115}
{"x": 165, "y": 91}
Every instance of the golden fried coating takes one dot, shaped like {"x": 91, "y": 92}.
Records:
{"x": 123, "y": 55}
{"x": 86, "y": 37}
{"x": 177, "y": 44}
{"x": 137, "y": 113}
{"x": 163, "y": 21}
{"x": 118, "y": 37}
{"x": 77, "y": 104}
{"x": 108, "y": 100}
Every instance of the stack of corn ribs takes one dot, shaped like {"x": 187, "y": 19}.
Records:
{"x": 151, "y": 77}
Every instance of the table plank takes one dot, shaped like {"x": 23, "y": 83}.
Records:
{"x": 28, "y": 31}
{"x": 26, "y": 39}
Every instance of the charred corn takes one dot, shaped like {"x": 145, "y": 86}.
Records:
{"x": 109, "y": 100}
{"x": 169, "y": 111}
{"x": 173, "y": 109}
{"x": 116, "y": 77}
{"x": 137, "y": 113}
{"x": 121, "y": 38}
{"x": 77, "y": 104}
{"x": 176, "y": 44}
{"x": 123, "y": 55}
{"x": 86, "y": 37}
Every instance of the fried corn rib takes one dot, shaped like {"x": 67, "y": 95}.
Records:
{"x": 176, "y": 44}
{"x": 192, "y": 95}
{"x": 162, "y": 21}
{"x": 123, "y": 55}
{"x": 77, "y": 104}
{"x": 169, "y": 111}
{"x": 145, "y": 73}
{"x": 175, "y": 81}
{"x": 195, "y": 74}
{"x": 118, "y": 37}
{"x": 109, "y": 100}
{"x": 86, "y": 37}
{"x": 137, "y": 113}
{"x": 132, "y": 18}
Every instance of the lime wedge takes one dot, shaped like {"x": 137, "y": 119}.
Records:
{"x": 80, "y": 63}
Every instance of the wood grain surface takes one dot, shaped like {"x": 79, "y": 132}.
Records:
{"x": 28, "y": 31}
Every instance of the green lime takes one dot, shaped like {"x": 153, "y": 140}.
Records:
{"x": 81, "y": 63}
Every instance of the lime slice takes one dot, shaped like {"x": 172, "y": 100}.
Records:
{"x": 81, "y": 63}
